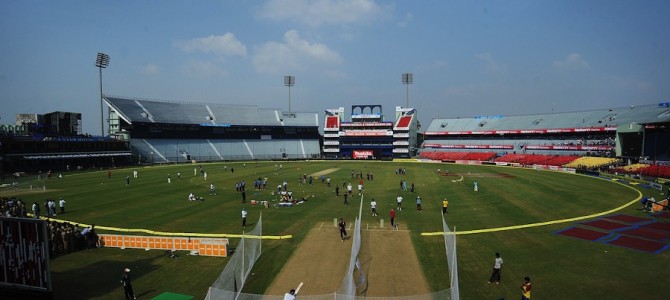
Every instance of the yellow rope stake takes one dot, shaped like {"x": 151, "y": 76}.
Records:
{"x": 543, "y": 223}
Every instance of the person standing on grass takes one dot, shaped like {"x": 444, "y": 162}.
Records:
{"x": 399, "y": 200}
{"x": 373, "y": 207}
{"x": 244, "y": 217}
{"x": 418, "y": 203}
{"x": 497, "y": 266}
{"x": 476, "y": 186}
{"x": 445, "y": 205}
{"x": 525, "y": 289}
{"x": 61, "y": 203}
{"x": 127, "y": 286}
{"x": 212, "y": 189}
{"x": 345, "y": 199}
{"x": 343, "y": 228}
{"x": 337, "y": 190}
{"x": 392, "y": 215}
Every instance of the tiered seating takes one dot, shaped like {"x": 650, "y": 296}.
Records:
{"x": 510, "y": 158}
{"x": 452, "y": 155}
{"x": 537, "y": 159}
{"x": 591, "y": 162}
{"x": 656, "y": 171}
{"x": 635, "y": 168}
{"x": 429, "y": 155}
{"x": 441, "y": 155}
{"x": 645, "y": 170}
{"x": 481, "y": 156}
{"x": 560, "y": 160}
{"x": 169, "y": 150}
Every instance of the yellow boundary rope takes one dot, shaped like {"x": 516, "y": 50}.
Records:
{"x": 475, "y": 231}
{"x": 181, "y": 234}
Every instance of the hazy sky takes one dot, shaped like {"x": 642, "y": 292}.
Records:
{"x": 469, "y": 58}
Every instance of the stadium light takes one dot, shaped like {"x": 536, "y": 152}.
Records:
{"x": 407, "y": 79}
{"x": 101, "y": 61}
{"x": 289, "y": 81}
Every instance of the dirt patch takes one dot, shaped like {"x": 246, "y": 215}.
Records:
{"x": 390, "y": 264}
{"x": 387, "y": 258}
{"x": 324, "y": 172}
{"x": 25, "y": 191}
{"x": 319, "y": 261}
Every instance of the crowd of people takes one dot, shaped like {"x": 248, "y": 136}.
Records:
{"x": 13, "y": 207}
{"x": 66, "y": 238}
{"x": 63, "y": 237}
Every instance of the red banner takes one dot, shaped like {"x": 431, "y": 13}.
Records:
{"x": 362, "y": 154}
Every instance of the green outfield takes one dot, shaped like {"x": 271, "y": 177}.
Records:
{"x": 561, "y": 267}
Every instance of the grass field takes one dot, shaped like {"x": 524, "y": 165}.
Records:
{"x": 561, "y": 267}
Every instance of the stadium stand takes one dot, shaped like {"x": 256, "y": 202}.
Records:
{"x": 592, "y": 162}
{"x": 166, "y": 131}
{"x": 555, "y": 139}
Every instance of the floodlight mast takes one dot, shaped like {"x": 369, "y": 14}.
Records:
{"x": 101, "y": 61}
{"x": 289, "y": 81}
{"x": 407, "y": 79}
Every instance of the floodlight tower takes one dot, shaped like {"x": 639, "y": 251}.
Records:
{"x": 407, "y": 79}
{"x": 289, "y": 81}
{"x": 101, "y": 61}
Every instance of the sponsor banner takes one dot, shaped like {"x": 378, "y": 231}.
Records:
{"x": 204, "y": 246}
{"x": 366, "y": 124}
{"x": 362, "y": 154}
{"x": 366, "y": 133}
{"x": 468, "y": 162}
{"x": 525, "y": 131}
{"x": 76, "y": 155}
{"x": 657, "y": 186}
{"x": 468, "y": 146}
{"x": 366, "y": 116}
{"x": 215, "y": 124}
{"x": 574, "y": 148}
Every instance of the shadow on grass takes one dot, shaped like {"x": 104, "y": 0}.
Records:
{"x": 94, "y": 278}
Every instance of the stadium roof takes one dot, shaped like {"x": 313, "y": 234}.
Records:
{"x": 206, "y": 114}
{"x": 645, "y": 114}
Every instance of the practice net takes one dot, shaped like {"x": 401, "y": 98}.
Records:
{"x": 231, "y": 280}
